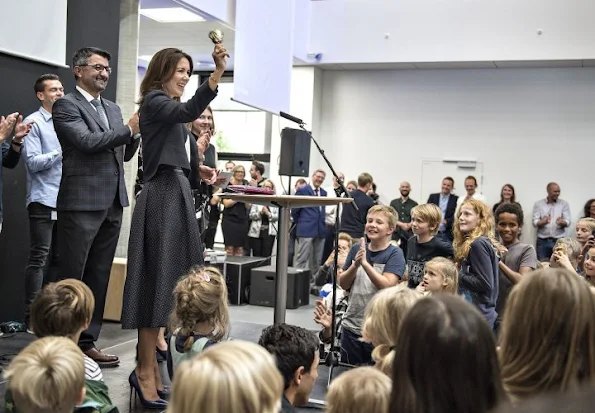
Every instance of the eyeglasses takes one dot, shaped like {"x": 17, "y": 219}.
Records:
{"x": 99, "y": 68}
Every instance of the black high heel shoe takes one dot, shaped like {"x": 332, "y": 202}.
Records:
{"x": 165, "y": 393}
{"x": 147, "y": 404}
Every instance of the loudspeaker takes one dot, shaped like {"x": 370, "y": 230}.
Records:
{"x": 237, "y": 276}
{"x": 295, "y": 153}
{"x": 262, "y": 290}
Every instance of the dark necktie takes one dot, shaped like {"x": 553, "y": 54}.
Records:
{"x": 316, "y": 192}
{"x": 101, "y": 112}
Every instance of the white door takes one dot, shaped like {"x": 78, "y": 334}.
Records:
{"x": 434, "y": 171}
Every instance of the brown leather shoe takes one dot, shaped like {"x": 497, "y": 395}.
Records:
{"x": 102, "y": 359}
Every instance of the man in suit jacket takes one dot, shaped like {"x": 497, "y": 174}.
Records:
{"x": 447, "y": 202}
{"x": 92, "y": 191}
{"x": 310, "y": 226}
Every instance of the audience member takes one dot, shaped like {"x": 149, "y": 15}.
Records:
{"x": 309, "y": 226}
{"x": 373, "y": 194}
{"x": 567, "y": 254}
{"x": 47, "y": 376}
{"x": 589, "y": 209}
{"x": 440, "y": 276}
{"x": 229, "y": 165}
{"x": 11, "y": 152}
{"x": 200, "y": 317}
{"x": 296, "y": 352}
{"x": 424, "y": 245}
{"x": 403, "y": 205}
{"x": 323, "y": 316}
{"x": 92, "y": 195}
{"x": 326, "y": 271}
{"x": 257, "y": 174}
{"x": 351, "y": 186}
{"x": 43, "y": 163}
{"x": 300, "y": 183}
{"x": 507, "y": 196}
{"x": 444, "y": 349}
{"x": 517, "y": 258}
{"x": 548, "y": 335}
{"x": 332, "y": 213}
{"x": 572, "y": 401}
{"x": 363, "y": 389}
{"x": 589, "y": 270}
{"x": 369, "y": 267}
{"x": 475, "y": 253}
{"x": 471, "y": 189}
{"x": 551, "y": 216}
{"x": 263, "y": 226}
{"x": 382, "y": 322}
{"x": 235, "y": 376}
{"x": 235, "y": 221}
{"x": 353, "y": 221}
{"x": 447, "y": 202}
{"x": 585, "y": 235}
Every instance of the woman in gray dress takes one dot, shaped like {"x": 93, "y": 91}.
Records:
{"x": 164, "y": 237}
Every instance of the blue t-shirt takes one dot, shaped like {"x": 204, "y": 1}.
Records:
{"x": 362, "y": 290}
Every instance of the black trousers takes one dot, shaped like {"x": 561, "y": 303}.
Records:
{"x": 262, "y": 246}
{"x": 43, "y": 255}
{"x": 87, "y": 242}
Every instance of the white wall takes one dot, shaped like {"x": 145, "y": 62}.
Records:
{"x": 347, "y": 31}
{"x": 528, "y": 127}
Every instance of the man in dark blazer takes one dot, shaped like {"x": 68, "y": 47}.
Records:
{"x": 447, "y": 202}
{"x": 310, "y": 227}
{"x": 95, "y": 143}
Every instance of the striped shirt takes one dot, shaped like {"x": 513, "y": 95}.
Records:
{"x": 92, "y": 370}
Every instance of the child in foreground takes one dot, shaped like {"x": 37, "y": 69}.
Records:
{"x": 200, "y": 317}
{"x": 47, "y": 376}
{"x": 363, "y": 389}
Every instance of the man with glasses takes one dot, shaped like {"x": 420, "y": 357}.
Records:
{"x": 95, "y": 143}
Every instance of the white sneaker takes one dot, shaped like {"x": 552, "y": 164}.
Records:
{"x": 30, "y": 332}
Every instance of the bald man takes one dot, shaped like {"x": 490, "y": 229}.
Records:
{"x": 403, "y": 206}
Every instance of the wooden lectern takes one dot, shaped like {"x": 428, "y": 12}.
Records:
{"x": 284, "y": 203}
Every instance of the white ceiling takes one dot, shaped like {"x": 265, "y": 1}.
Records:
{"x": 192, "y": 38}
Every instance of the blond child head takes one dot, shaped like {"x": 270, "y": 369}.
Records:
{"x": 363, "y": 389}
{"x": 47, "y": 376}
{"x": 441, "y": 275}
{"x": 233, "y": 376}
{"x": 201, "y": 297}
{"x": 62, "y": 309}
{"x": 382, "y": 322}
{"x": 426, "y": 214}
{"x": 584, "y": 229}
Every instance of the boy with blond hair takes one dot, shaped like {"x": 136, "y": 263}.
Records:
{"x": 64, "y": 309}
{"x": 423, "y": 246}
{"x": 46, "y": 376}
{"x": 369, "y": 267}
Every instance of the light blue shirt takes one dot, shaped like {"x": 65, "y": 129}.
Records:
{"x": 443, "y": 205}
{"x": 558, "y": 209}
{"x": 43, "y": 159}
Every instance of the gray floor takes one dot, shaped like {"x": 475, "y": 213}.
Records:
{"x": 247, "y": 324}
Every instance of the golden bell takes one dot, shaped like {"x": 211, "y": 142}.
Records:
{"x": 216, "y": 36}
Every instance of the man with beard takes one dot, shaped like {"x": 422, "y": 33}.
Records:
{"x": 403, "y": 206}
{"x": 92, "y": 194}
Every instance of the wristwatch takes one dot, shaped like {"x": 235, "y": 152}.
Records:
{"x": 16, "y": 143}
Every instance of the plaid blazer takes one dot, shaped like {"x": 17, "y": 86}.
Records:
{"x": 92, "y": 155}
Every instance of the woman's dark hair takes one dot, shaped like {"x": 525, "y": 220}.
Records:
{"x": 512, "y": 198}
{"x": 446, "y": 360}
{"x": 511, "y": 208}
{"x": 161, "y": 69}
{"x": 587, "y": 210}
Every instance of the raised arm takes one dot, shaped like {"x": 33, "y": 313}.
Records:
{"x": 72, "y": 130}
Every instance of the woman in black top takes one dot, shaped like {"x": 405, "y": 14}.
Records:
{"x": 164, "y": 240}
{"x": 235, "y": 222}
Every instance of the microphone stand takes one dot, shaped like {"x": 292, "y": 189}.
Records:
{"x": 333, "y": 357}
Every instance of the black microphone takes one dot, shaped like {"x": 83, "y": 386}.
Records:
{"x": 291, "y": 118}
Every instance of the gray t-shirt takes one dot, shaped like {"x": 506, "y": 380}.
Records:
{"x": 390, "y": 259}
{"x": 518, "y": 255}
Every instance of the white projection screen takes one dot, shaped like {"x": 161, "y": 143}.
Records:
{"x": 263, "y": 54}
{"x": 34, "y": 30}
